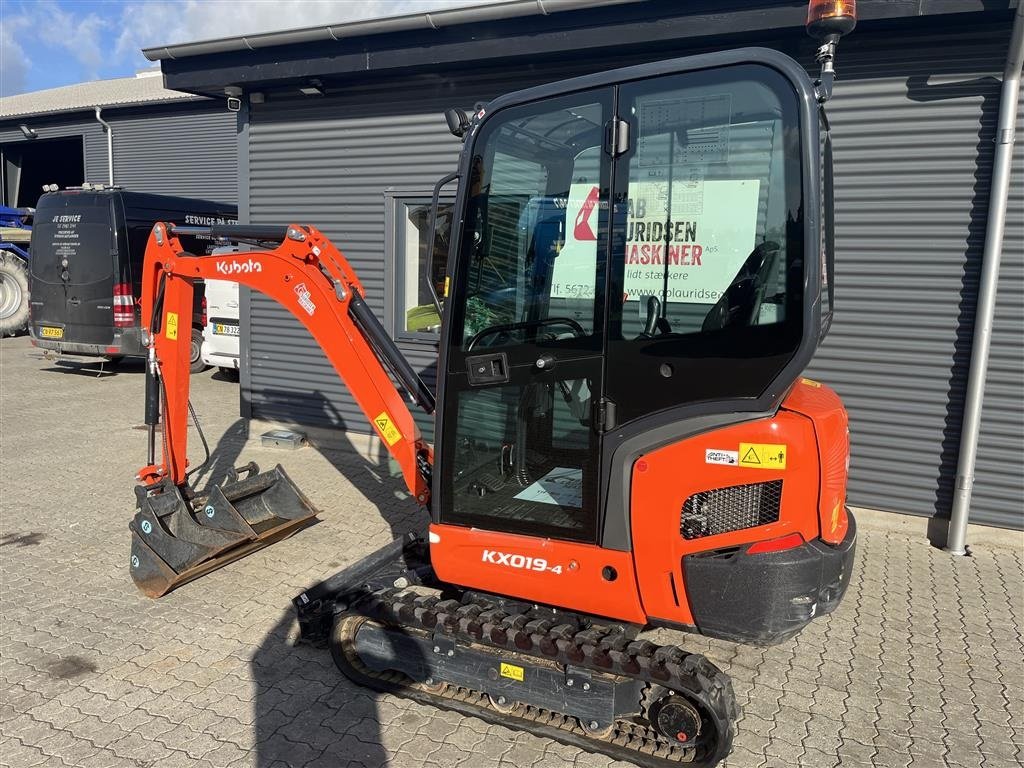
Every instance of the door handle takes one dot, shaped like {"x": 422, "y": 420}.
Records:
{"x": 487, "y": 369}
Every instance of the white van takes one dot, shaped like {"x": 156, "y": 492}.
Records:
{"x": 220, "y": 336}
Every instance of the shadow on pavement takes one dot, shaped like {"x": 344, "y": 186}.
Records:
{"x": 305, "y": 708}
{"x": 224, "y": 456}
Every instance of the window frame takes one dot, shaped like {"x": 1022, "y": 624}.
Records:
{"x": 396, "y": 202}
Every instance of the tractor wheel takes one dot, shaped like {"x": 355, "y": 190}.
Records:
{"x": 195, "y": 360}
{"x": 13, "y": 294}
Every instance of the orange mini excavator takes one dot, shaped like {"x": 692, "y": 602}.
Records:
{"x": 640, "y": 270}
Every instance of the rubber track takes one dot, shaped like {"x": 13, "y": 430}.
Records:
{"x": 563, "y": 638}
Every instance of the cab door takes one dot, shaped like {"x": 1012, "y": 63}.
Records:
{"x": 715, "y": 236}
{"x": 522, "y": 393}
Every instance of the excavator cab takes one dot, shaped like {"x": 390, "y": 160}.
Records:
{"x": 637, "y": 278}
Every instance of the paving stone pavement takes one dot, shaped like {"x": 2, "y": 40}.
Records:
{"x": 921, "y": 666}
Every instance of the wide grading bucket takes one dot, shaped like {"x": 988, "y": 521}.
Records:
{"x": 176, "y": 540}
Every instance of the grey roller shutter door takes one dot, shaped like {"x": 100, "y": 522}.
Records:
{"x": 913, "y": 131}
{"x": 187, "y": 151}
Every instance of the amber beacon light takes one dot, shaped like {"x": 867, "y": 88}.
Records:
{"x": 827, "y": 21}
{"x": 831, "y": 18}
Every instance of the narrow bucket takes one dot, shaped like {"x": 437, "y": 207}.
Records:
{"x": 175, "y": 540}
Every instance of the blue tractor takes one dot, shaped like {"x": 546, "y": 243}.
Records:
{"x": 15, "y": 236}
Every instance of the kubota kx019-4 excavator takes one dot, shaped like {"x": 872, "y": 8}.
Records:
{"x": 639, "y": 272}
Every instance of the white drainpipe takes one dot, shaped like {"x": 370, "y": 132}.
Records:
{"x": 110, "y": 145}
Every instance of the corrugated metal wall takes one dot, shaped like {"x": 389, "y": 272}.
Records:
{"x": 330, "y": 162}
{"x": 182, "y": 150}
{"x": 55, "y": 127}
{"x": 914, "y": 119}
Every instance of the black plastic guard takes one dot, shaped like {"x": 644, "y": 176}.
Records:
{"x": 769, "y": 597}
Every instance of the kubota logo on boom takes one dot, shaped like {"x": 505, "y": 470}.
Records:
{"x": 238, "y": 268}
{"x": 519, "y": 561}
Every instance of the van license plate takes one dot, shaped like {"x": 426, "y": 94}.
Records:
{"x": 47, "y": 332}
{"x": 225, "y": 329}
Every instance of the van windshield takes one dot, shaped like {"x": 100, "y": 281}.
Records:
{"x": 78, "y": 230}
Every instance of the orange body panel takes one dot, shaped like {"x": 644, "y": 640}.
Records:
{"x": 831, "y": 425}
{"x": 666, "y": 477}
{"x": 569, "y": 574}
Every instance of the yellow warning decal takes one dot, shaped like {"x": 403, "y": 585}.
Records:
{"x": 811, "y": 383}
{"x": 447, "y": 283}
{"x": 172, "y": 326}
{"x": 511, "y": 671}
{"x": 387, "y": 428}
{"x": 762, "y": 455}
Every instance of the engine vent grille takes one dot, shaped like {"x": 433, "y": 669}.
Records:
{"x": 730, "y": 509}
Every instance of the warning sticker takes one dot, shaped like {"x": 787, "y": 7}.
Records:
{"x": 811, "y": 383}
{"x": 511, "y": 671}
{"x": 171, "y": 323}
{"x": 387, "y": 428}
{"x": 717, "y": 456}
{"x": 762, "y": 455}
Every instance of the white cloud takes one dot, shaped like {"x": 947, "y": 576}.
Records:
{"x": 57, "y": 28}
{"x": 14, "y": 62}
{"x": 80, "y": 35}
{"x": 148, "y": 23}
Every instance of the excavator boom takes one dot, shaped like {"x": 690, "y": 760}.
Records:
{"x": 309, "y": 276}
{"x": 178, "y": 534}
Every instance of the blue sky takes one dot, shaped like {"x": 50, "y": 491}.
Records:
{"x": 49, "y": 43}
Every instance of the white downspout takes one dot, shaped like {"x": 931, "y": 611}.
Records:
{"x": 110, "y": 145}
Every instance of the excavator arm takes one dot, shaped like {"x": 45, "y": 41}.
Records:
{"x": 310, "y": 277}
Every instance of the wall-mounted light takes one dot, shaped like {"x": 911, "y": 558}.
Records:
{"x": 312, "y": 88}
{"x": 28, "y": 133}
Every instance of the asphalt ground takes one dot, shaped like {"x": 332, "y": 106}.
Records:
{"x": 922, "y": 665}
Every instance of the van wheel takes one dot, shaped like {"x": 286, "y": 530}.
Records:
{"x": 13, "y": 294}
{"x": 195, "y": 360}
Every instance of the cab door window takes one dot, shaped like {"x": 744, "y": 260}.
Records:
{"x": 707, "y": 247}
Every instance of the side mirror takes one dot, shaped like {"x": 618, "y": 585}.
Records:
{"x": 458, "y": 121}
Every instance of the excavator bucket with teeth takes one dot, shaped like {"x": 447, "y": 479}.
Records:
{"x": 176, "y": 540}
